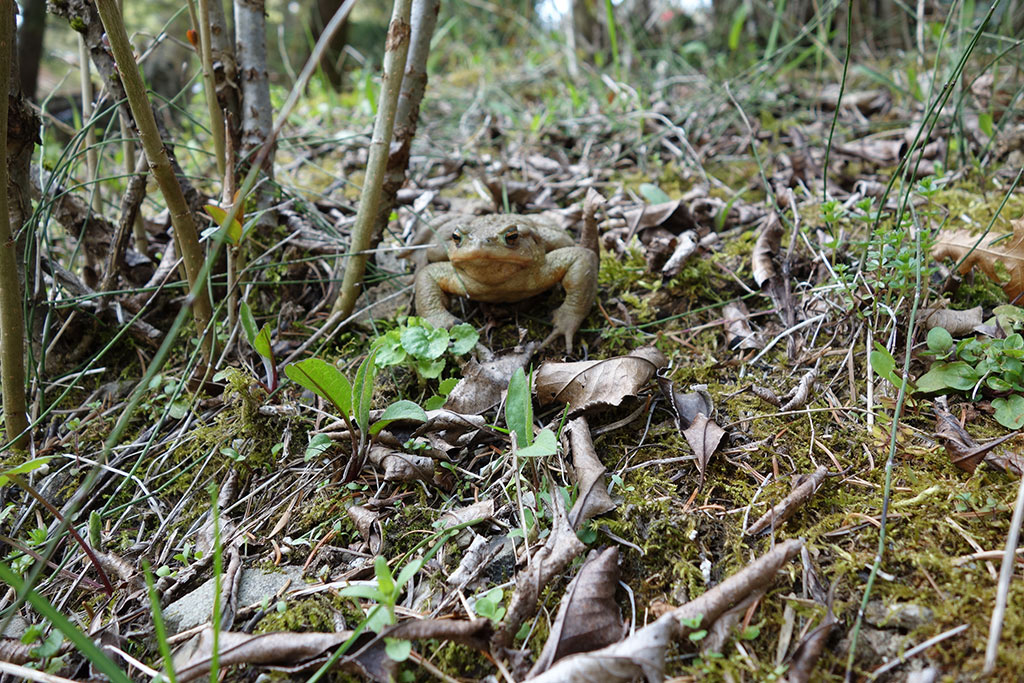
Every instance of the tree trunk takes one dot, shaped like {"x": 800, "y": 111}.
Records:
{"x": 30, "y": 45}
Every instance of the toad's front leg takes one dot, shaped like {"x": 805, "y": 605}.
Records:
{"x": 433, "y": 284}
{"x": 579, "y": 266}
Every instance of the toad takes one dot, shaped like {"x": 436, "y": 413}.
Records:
{"x": 506, "y": 258}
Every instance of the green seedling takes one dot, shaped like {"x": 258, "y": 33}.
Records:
{"x": 352, "y": 401}
{"x": 421, "y": 347}
{"x": 489, "y": 605}
{"x": 979, "y": 367}
{"x": 259, "y": 340}
{"x": 519, "y": 420}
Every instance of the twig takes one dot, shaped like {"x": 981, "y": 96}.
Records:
{"x": 995, "y": 628}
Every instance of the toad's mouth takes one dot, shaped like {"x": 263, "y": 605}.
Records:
{"x": 488, "y": 258}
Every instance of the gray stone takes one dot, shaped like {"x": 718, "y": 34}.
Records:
{"x": 256, "y": 585}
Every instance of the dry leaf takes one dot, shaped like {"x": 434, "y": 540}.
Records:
{"x": 367, "y": 523}
{"x": 963, "y": 450}
{"x": 291, "y": 651}
{"x": 686, "y": 407}
{"x": 482, "y": 384}
{"x": 561, "y": 547}
{"x": 957, "y": 323}
{"x": 1001, "y": 257}
{"x": 703, "y": 435}
{"x": 738, "y": 334}
{"x": 643, "y": 653}
{"x": 590, "y": 384}
{"x": 767, "y": 245}
{"x": 593, "y": 496}
{"x": 400, "y": 466}
{"x": 588, "y": 616}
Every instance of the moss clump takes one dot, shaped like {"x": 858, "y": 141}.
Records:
{"x": 317, "y": 613}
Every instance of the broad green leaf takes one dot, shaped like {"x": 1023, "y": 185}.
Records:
{"x": 24, "y": 468}
{"x": 945, "y": 376}
{"x": 464, "y": 338}
{"x": 653, "y": 194}
{"x": 317, "y": 445}
{"x": 544, "y": 444}
{"x": 435, "y": 402}
{"x": 362, "y": 390}
{"x": 940, "y": 341}
{"x": 519, "y": 409}
{"x": 389, "y": 350}
{"x": 408, "y": 571}
{"x": 998, "y": 384}
{"x": 248, "y": 321}
{"x": 324, "y": 380}
{"x": 362, "y": 591}
{"x": 424, "y": 344}
{"x": 385, "y": 580}
{"x": 1009, "y": 411}
{"x": 399, "y": 410}
{"x": 178, "y": 409}
{"x": 430, "y": 369}
{"x": 446, "y": 385}
{"x": 985, "y": 123}
{"x": 219, "y": 215}
{"x": 398, "y": 649}
{"x": 882, "y": 361}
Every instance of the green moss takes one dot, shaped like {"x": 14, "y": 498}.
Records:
{"x": 315, "y": 613}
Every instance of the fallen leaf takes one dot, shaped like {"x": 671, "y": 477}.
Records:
{"x": 400, "y": 466}
{"x": 588, "y": 616}
{"x": 957, "y": 323}
{"x": 738, "y": 334}
{"x": 367, "y": 523}
{"x": 586, "y": 385}
{"x": 546, "y": 565}
{"x": 963, "y": 450}
{"x": 482, "y": 384}
{"x": 1001, "y": 257}
{"x": 593, "y": 498}
{"x": 703, "y": 435}
{"x": 643, "y": 653}
{"x": 291, "y": 651}
{"x": 686, "y": 407}
{"x": 768, "y": 242}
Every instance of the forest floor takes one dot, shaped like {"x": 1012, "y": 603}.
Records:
{"x": 732, "y": 402}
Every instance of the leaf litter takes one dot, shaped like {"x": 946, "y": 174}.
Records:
{"x": 706, "y": 269}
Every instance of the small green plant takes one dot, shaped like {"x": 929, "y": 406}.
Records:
{"x": 45, "y": 648}
{"x": 519, "y": 420}
{"x": 421, "y": 347}
{"x": 489, "y": 605}
{"x": 979, "y": 367}
{"x": 259, "y": 340}
{"x": 352, "y": 400}
{"x": 165, "y": 395}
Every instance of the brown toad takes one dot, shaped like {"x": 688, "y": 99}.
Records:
{"x": 505, "y": 258}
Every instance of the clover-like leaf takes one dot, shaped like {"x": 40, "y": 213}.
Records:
{"x": 464, "y": 338}
{"x": 1009, "y": 411}
{"x": 423, "y": 343}
{"x": 943, "y": 376}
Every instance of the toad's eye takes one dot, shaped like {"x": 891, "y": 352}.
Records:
{"x": 457, "y": 238}
{"x": 511, "y": 236}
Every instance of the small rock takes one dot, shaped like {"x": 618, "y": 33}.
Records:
{"x": 905, "y": 616}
